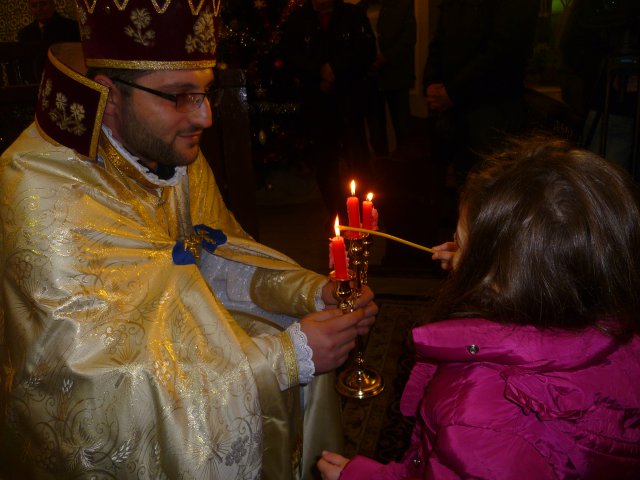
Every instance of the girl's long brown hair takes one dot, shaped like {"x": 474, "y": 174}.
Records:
{"x": 553, "y": 241}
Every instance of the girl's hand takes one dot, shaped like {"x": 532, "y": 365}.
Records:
{"x": 444, "y": 254}
{"x": 331, "y": 465}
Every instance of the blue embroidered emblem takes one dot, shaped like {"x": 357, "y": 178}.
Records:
{"x": 187, "y": 251}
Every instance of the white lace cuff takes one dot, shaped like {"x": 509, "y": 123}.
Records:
{"x": 304, "y": 354}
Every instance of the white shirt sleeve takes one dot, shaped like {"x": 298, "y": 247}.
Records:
{"x": 231, "y": 282}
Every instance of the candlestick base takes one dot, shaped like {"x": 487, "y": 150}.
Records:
{"x": 359, "y": 382}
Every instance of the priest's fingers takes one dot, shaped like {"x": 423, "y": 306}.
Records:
{"x": 346, "y": 322}
{"x": 366, "y": 297}
{"x": 370, "y": 309}
{"x": 365, "y": 324}
{"x": 330, "y": 335}
{"x": 324, "y": 315}
{"x": 327, "y": 294}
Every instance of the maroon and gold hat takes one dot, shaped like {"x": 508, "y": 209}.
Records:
{"x": 70, "y": 105}
{"x": 149, "y": 34}
{"x": 131, "y": 34}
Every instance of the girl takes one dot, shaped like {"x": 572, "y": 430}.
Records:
{"x": 535, "y": 371}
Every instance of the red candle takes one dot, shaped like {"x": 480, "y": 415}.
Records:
{"x": 338, "y": 255}
{"x": 367, "y": 212}
{"x": 353, "y": 207}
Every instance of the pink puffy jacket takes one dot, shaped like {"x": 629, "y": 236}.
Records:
{"x": 496, "y": 401}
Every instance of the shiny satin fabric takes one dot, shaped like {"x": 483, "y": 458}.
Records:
{"x": 322, "y": 422}
{"x": 320, "y": 403}
{"x": 322, "y": 412}
{"x": 116, "y": 362}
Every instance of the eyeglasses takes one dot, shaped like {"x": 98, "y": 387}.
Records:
{"x": 185, "y": 102}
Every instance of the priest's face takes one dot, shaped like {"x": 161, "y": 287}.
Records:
{"x": 160, "y": 130}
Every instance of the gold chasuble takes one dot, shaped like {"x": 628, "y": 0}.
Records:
{"x": 116, "y": 361}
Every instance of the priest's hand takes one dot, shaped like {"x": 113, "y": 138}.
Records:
{"x": 331, "y": 335}
{"x": 331, "y": 465}
{"x": 328, "y": 297}
{"x": 365, "y": 300}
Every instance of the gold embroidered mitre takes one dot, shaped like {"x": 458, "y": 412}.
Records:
{"x": 149, "y": 34}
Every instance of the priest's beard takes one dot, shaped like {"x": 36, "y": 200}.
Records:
{"x": 137, "y": 136}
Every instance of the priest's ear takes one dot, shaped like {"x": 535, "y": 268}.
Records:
{"x": 115, "y": 95}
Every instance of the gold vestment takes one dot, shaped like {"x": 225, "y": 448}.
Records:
{"x": 117, "y": 363}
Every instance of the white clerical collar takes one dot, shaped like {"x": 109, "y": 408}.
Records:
{"x": 133, "y": 160}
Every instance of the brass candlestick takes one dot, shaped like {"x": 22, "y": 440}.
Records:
{"x": 367, "y": 242}
{"x": 343, "y": 292}
{"x": 356, "y": 258}
{"x": 358, "y": 381}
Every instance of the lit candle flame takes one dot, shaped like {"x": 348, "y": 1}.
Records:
{"x": 336, "y": 226}
{"x": 353, "y": 187}
{"x": 369, "y": 196}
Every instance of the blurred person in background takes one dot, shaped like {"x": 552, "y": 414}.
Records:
{"x": 600, "y": 45}
{"x": 474, "y": 77}
{"x": 327, "y": 47}
{"x": 48, "y": 27}
{"x": 393, "y": 75}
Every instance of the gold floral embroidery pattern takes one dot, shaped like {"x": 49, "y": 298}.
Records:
{"x": 22, "y": 269}
{"x": 160, "y": 9}
{"x": 123, "y": 452}
{"x": 85, "y": 30}
{"x": 45, "y": 91}
{"x": 67, "y": 120}
{"x": 141, "y": 19}
{"x": 195, "y": 9}
{"x": 121, "y": 6}
{"x": 90, "y": 8}
{"x": 203, "y": 38}
{"x": 162, "y": 373}
{"x": 113, "y": 338}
